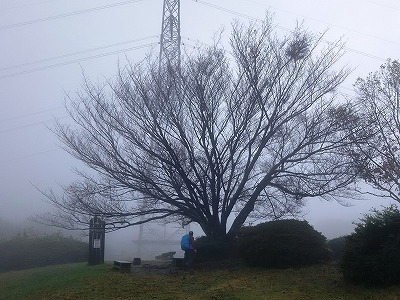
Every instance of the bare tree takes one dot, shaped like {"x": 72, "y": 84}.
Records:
{"x": 378, "y": 156}
{"x": 229, "y": 137}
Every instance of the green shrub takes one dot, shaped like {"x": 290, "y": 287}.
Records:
{"x": 372, "y": 252}
{"x": 282, "y": 244}
{"x": 208, "y": 249}
{"x": 337, "y": 246}
{"x": 22, "y": 251}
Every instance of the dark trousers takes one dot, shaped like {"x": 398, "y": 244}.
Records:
{"x": 188, "y": 259}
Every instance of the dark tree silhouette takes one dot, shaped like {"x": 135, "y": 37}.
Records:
{"x": 228, "y": 137}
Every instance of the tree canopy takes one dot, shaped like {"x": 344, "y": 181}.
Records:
{"x": 378, "y": 155}
{"x": 231, "y": 135}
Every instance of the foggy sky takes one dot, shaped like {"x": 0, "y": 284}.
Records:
{"x": 47, "y": 45}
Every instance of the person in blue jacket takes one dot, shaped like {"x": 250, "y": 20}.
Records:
{"x": 187, "y": 245}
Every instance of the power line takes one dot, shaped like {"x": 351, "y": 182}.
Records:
{"x": 281, "y": 27}
{"x": 149, "y": 37}
{"x": 364, "y": 54}
{"x": 330, "y": 24}
{"x": 31, "y": 125}
{"x": 76, "y": 61}
{"x": 382, "y": 4}
{"x": 27, "y": 4}
{"x": 29, "y": 114}
{"x": 77, "y": 53}
{"x": 30, "y": 155}
{"x": 52, "y": 109}
{"x": 226, "y": 10}
{"x": 68, "y": 14}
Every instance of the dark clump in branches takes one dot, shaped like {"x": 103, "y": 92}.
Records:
{"x": 228, "y": 137}
{"x": 299, "y": 46}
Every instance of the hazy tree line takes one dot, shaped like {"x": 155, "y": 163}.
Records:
{"x": 231, "y": 135}
{"x": 6, "y": 229}
{"x": 24, "y": 250}
{"x": 23, "y": 245}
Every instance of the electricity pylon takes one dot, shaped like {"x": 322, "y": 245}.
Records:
{"x": 170, "y": 61}
{"x": 170, "y": 40}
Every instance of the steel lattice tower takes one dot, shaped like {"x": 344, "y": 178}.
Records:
{"x": 170, "y": 41}
{"x": 170, "y": 60}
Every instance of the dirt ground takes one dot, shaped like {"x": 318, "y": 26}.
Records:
{"x": 168, "y": 267}
{"x": 155, "y": 267}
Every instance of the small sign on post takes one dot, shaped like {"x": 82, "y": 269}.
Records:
{"x": 96, "y": 243}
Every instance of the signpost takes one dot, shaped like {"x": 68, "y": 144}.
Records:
{"x": 96, "y": 241}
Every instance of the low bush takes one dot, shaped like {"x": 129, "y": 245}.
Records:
{"x": 208, "y": 249}
{"x": 371, "y": 255}
{"x": 22, "y": 251}
{"x": 282, "y": 244}
{"x": 337, "y": 246}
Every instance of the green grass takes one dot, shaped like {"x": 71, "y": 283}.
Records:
{"x": 41, "y": 283}
{"x": 79, "y": 281}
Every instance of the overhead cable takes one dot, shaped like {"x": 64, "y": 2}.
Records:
{"x": 29, "y": 114}
{"x": 78, "y": 52}
{"x": 282, "y": 28}
{"x": 68, "y": 14}
{"x": 76, "y": 61}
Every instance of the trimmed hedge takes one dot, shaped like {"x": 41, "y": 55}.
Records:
{"x": 282, "y": 244}
{"x": 372, "y": 253}
{"x": 208, "y": 249}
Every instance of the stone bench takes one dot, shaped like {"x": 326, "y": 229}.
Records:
{"x": 123, "y": 266}
{"x": 177, "y": 262}
{"x": 166, "y": 256}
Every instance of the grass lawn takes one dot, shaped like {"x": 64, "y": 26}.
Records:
{"x": 79, "y": 281}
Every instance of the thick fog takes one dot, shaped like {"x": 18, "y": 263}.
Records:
{"x": 48, "y": 45}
